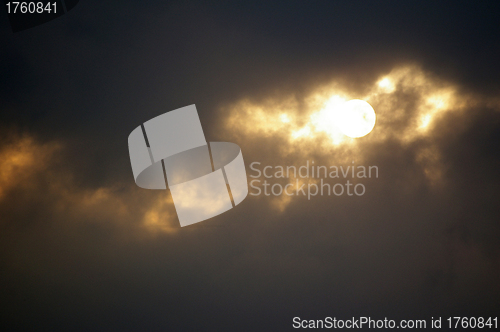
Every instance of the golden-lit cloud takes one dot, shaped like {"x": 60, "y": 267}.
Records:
{"x": 31, "y": 169}
{"x": 409, "y": 104}
{"x": 287, "y": 130}
{"x": 20, "y": 159}
{"x": 160, "y": 217}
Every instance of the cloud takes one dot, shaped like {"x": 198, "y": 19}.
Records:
{"x": 34, "y": 174}
{"x": 411, "y": 107}
{"x": 19, "y": 159}
{"x": 423, "y": 225}
{"x": 83, "y": 248}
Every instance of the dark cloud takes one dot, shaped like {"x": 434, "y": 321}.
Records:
{"x": 83, "y": 248}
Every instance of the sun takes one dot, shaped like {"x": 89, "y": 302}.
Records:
{"x": 355, "y": 118}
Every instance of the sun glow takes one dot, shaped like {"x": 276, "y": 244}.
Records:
{"x": 325, "y": 121}
{"x": 407, "y": 100}
{"x": 356, "y": 118}
{"x": 386, "y": 85}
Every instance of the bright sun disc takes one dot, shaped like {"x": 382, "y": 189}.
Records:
{"x": 355, "y": 118}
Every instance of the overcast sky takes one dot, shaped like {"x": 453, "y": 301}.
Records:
{"x": 82, "y": 248}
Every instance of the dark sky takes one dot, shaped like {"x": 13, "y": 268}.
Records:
{"x": 82, "y": 248}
